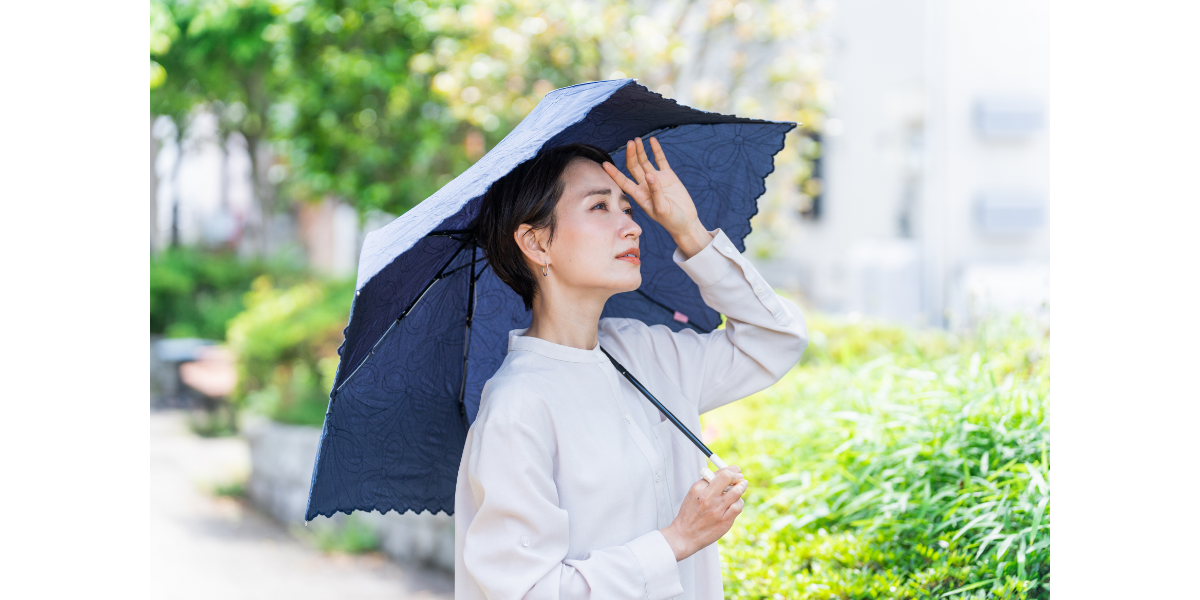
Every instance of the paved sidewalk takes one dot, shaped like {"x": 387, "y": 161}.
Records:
{"x": 210, "y": 547}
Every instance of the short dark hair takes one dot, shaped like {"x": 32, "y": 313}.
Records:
{"x": 526, "y": 195}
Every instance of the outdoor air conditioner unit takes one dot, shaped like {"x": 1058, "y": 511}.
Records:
{"x": 1009, "y": 212}
{"x": 1009, "y": 117}
{"x": 885, "y": 280}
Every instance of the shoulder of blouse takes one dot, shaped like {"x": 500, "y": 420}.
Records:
{"x": 515, "y": 394}
{"x": 623, "y": 329}
{"x": 634, "y": 338}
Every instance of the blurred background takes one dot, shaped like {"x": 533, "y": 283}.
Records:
{"x": 907, "y": 213}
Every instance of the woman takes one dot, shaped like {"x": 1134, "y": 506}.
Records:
{"x": 572, "y": 485}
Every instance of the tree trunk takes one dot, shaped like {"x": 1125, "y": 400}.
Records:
{"x": 259, "y": 191}
{"x": 257, "y": 103}
{"x": 176, "y": 193}
{"x": 224, "y": 142}
{"x": 154, "y": 148}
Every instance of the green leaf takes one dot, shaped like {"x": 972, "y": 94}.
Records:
{"x": 970, "y": 587}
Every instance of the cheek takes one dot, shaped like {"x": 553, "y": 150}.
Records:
{"x": 583, "y": 245}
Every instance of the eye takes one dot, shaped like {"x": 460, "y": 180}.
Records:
{"x": 629, "y": 211}
{"x": 603, "y": 205}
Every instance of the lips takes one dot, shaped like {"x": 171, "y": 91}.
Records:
{"x": 630, "y": 256}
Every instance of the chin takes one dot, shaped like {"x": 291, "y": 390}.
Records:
{"x": 619, "y": 283}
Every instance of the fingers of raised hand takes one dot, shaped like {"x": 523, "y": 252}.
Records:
{"x": 634, "y": 163}
{"x": 642, "y": 157}
{"x": 623, "y": 182}
{"x": 647, "y": 166}
{"x": 659, "y": 157}
{"x": 654, "y": 184}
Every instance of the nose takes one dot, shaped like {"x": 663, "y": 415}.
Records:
{"x": 630, "y": 229}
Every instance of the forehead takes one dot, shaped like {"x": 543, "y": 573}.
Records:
{"x": 584, "y": 175}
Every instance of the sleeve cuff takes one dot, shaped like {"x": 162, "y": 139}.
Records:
{"x": 709, "y": 265}
{"x": 658, "y": 565}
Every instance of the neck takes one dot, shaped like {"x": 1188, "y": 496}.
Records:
{"x": 567, "y": 319}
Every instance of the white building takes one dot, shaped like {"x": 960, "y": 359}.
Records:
{"x": 214, "y": 199}
{"x": 935, "y": 165}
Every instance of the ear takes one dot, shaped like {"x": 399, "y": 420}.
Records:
{"x": 532, "y": 243}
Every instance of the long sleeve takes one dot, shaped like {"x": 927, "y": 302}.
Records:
{"x": 516, "y": 545}
{"x": 763, "y": 338}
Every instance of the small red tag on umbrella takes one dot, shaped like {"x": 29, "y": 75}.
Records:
{"x": 682, "y": 318}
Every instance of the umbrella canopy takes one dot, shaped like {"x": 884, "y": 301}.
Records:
{"x": 429, "y": 321}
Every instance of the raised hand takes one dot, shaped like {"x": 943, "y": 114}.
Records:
{"x": 661, "y": 194}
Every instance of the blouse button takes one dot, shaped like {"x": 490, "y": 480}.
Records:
{"x": 729, "y": 249}
{"x": 657, "y": 476}
{"x": 524, "y": 540}
{"x": 628, "y": 419}
{"x": 757, "y": 289}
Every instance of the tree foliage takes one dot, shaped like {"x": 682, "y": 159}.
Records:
{"x": 286, "y": 346}
{"x": 389, "y": 100}
{"x": 218, "y": 54}
{"x": 381, "y": 102}
{"x": 196, "y": 294}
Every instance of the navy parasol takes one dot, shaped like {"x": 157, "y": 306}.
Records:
{"x": 429, "y": 321}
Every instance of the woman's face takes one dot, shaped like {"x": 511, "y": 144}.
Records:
{"x": 595, "y": 244}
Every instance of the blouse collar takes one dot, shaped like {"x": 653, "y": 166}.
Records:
{"x": 517, "y": 341}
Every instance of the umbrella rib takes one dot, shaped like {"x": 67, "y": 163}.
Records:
{"x": 486, "y": 264}
{"x": 440, "y": 275}
{"x": 462, "y": 390}
{"x": 461, "y": 267}
{"x": 450, "y": 233}
{"x": 671, "y": 310}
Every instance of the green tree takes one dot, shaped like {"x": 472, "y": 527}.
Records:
{"x": 391, "y": 99}
{"x": 172, "y": 98}
{"x": 218, "y": 54}
{"x": 381, "y": 102}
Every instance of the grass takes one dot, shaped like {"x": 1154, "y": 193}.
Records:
{"x": 351, "y": 536}
{"x": 232, "y": 489}
{"x": 216, "y": 423}
{"x": 895, "y": 464}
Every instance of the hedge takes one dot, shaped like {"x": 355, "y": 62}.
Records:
{"x": 895, "y": 464}
{"x": 286, "y": 345}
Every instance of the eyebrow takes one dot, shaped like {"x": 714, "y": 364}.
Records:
{"x": 607, "y": 192}
{"x": 599, "y": 192}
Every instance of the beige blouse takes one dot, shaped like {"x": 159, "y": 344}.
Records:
{"x": 569, "y": 472}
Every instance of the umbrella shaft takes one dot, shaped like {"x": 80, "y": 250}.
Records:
{"x": 716, "y": 460}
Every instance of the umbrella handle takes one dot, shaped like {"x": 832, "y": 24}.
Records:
{"x": 716, "y": 460}
{"x": 708, "y": 475}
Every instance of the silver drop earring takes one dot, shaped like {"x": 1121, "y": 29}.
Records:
{"x": 545, "y": 273}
